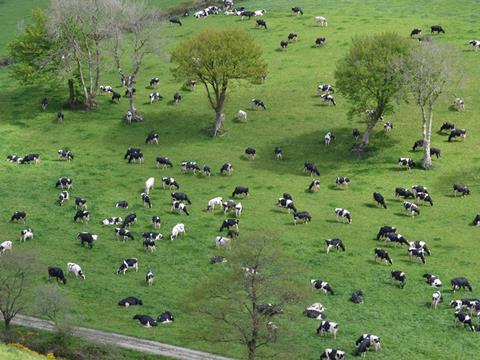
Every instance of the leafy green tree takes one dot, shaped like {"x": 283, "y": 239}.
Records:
{"x": 214, "y": 57}
{"x": 367, "y": 77}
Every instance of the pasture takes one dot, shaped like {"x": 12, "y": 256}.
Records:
{"x": 296, "y": 121}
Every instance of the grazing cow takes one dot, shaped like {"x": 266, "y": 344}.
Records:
{"x": 80, "y": 203}
{"x": 125, "y": 234}
{"x": 396, "y": 238}
{"x": 411, "y": 208}
{"x": 420, "y": 245}
{"x": 283, "y": 44}
{"x": 206, "y": 171}
{"x": 60, "y": 117}
{"x": 229, "y": 223}
{"x": 474, "y": 44}
{"x": 297, "y": 10}
{"x": 325, "y": 89}
{"x": 136, "y": 156}
{"x": 459, "y": 103}
{"x": 240, "y": 190}
{"x": 387, "y": 127}
{"x": 57, "y": 273}
{"x": 122, "y": 204}
{"x": 177, "y": 97}
{"x": 226, "y": 168}
{"x": 82, "y": 215}
{"x": 164, "y": 162}
{"x": 65, "y": 154}
{"x": 130, "y": 151}
{"x": 221, "y": 241}
{"x": 364, "y": 342}
{"x": 129, "y": 220}
{"x": 415, "y": 31}
{"x": 146, "y": 200}
{"x": 269, "y": 309}
{"x": 228, "y": 206}
{"x": 130, "y": 301}
{"x": 399, "y": 276}
{"x": 357, "y": 297}
{"x": 241, "y": 115}
{"x": 131, "y": 263}
{"x": 177, "y": 230}
{"x": 155, "y": 96}
{"x": 152, "y": 236}
{"x": 461, "y": 133}
{"x": 152, "y": 138}
{"x": 424, "y": 197}
{"x": 406, "y": 163}
{"x": 64, "y": 196}
{"x": 149, "y": 184}
{"x": 292, "y": 37}
{"x": 26, "y": 234}
{"x": 112, "y": 221}
{"x": 149, "y": 278}
{"x": 5, "y": 246}
{"x": 447, "y": 126}
{"x": 385, "y": 230}
{"x": 145, "y": 320}
{"x": 154, "y": 82}
{"x": 286, "y": 204}
{"x": 419, "y": 189}
{"x": 170, "y": 182}
{"x": 356, "y": 133}
{"x": 165, "y": 318}
{"x": 334, "y": 244}
{"x": 382, "y": 255}
{"x": 329, "y": 99}
{"x": 44, "y": 103}
{"x": 301, "y": 216}
{"x": 433, "y": 280}
{"x": 418, "y": 144}
{"x": 278, "y": 153}
{"x": 436, "y": 298}
{"x": 174, "y": 20}
{"x": 403, "y": 192}
{"x": 116, "y": 96}
{"x": 190, "y": 84}
{"x": 321, "y": 20}
{"x": 379, "y": 199}
{"x": 343, "y": 214}
{"x": 105, "y": 88}
{"x": 463, "y": 318}
{"x": 462, "y": 189}
{"x": 189, "y": 166}
{"x": 86, "y": 237}
{"x": 322, "y": 285}
{"x": 14, "y": 158}
{"x": 320, "y": 41}
{"x": 261, "y": 23}
{"x": 156, "y": 221}
{"x": 329, "y": 137}
{"x": 460, "y": 282}
{"x": 328, "y": 327}
{"x": 418, "y": 254}
{"x": 342, "y": 181}
{"x": 332, "y": 354}
{"x": 217, "y": 201}
{"x": 315, "y": 311}
{"x": 314, "y": 185}
{"x": 149, "y": 245}
{"x": 311, "y": 168}
{"x": 259, "y": 103}
{"x": 436, "y": 28}
{"x": 76, "y": 270}
{"x": 435, "y": 152}
{"x": 27, "y": 159}
{"x": 251, "y": 153}
{"x": 179, "y": 196}
{"x": 179, "y": 207}
{"x": 217, "y": 260}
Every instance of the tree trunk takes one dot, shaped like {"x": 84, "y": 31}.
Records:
{"x": 135, "y": 117}
{"x": 365, "y": 138}
{"x": 219, "y": 120}
{"x": 252, "y": 347}
{"x": 71, "y": 92}
{"x": 427, "y": 135}
{"x": 7, "y": 322}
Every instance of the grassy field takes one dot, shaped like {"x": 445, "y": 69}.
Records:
{"x": 296, "y": 121}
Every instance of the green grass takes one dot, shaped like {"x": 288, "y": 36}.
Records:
{"x": 296, "y": 121}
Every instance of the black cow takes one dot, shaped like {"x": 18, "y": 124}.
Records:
{"x": 292, "y": 37}
{"x": 116, "y": 96}
{"x": 259, "y": 103}
{"x": 382, "y": 255}
{"x": 342, "y": 181}
{"x": 27, "y": 159}
{"x": 261, "y": 23}
{"x": 461, "y": 133}
{"x": 228, "y": 223}
{"x": 311, "y": 168}
{"x": 364, "y": 342}
{"x": 447, "y": 126}
{"x": 65, "y": 154}
{"x": 163, "y": 161}
{"x": 226, "y": 168}
{"x": 460, "y": 282}
{"x": 145, "y": 320}
{"x": 418, "y": 144}
{"x": 356, "y": 133}
{"x": 435, "y": 152}
{"x": 379, "y": 199}
{"x": 130, "y": 301}
{"x": 334, "y": 244}
{"x": 122, "y": 204}
{"x": 189, "y": 166}
{"x": 82, "y": 215}
{"x": 415, "y": 31}
{"x": 86, "y": 237}
{"x": 240, "y": 190}
{"x": 251, "y": 153}
{"x": 319, "y": 41}
{"x": 80, "y": 203}
{"x": 462, "y": 189}
{"x": 297, "y": 10}
{"x": 436, "y": 28}
{"x": 152, "y": 138}
{"x": 385, "y": 230}
{"x": 19, "y": 216}
{"x": 177, "y": 97}
{"x": 44, "y": 103}
{"x": 269, "y": 309}
{"x": 328, "y": 98}
{"x": 357, "y": 297}
{"x": 57, "y": 273}
{"x": 136, "y": 156}
{"x": 131, "y": 263}
{"x": 417, "y": 253}
{"x": 399, "y": 276}
{"x": 60, "y": 116}
{"x": 463, "y": 318}
{"x": 165, "y": 318}
{"x": 314, "y": 185}
{"x": 322, "y": 285}
{"x": 146, "y": 200}
{"x": 179, "y": 196}
{"x": 419, "y": 189}
{"x": 175, "y": 20}
{"x": 403, "y": 192}
{"x": 283, "y": 44}
{"x": 248, "y": 14}
{"x": 302, "y": 216}
{"x": 206, "y": 171}
{"x": 130, "y": 151}
{"x": 129, "y": 219}
{"x": 396, "y": 238}
{"x": 149, "y": 244}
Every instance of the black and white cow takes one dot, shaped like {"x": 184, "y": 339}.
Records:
{"x": 315, "y": 311}
{"x": 65, "y": 154}
{"x": 226, "y": 168}
{"x": 447, "y": 126}
{"x": 436, "y": 299}
{"x": 44, "y": 103}
{"x": 261, "y": 23}
{"x": 86, "y": 237}
{"x": 328, "y": 327}
{"x": 149, "y": 278}
{"x": 278, "y": 153}
{"x": 131, "y": 263}
{"x": 229, "y": 223}
{"x": 396, "y": 238}
{"x": 357, "y": 297}
{"x": 152, "y": 138}
{"x": 286, "y": 204}
{"x": 116, "y": 220}
{"x": 433, "y": 280}
{"x": 82, "y": 215}
{"x": 240, "y": 190}
{"x": 269, "y": 309}
{"x": 415, "y": 31}
{"x": 373, "y": 340}
{"x": 459, "y": 103}
{"x": 56, "y": 273}
{"x": 342, "y": 181}
{"x": 149, "y": 245}
{"x": 145, "y": 320}
{"x": 130, "y": 301}
{"x": 314, "y": 185}
{"x": 206, "y": 171}
{"x": 475, "y": 44}
{"x": 420, "y": 245}
{"x": 14, "y": 158}
{"x": 328, "y": 98}
{"x": 62, "y": 197}
{"x": 179, "y": 207}
{"x": 129, "y": 219}
{"x": 325, "y": 88}
{"x": 334, "y": 244}
{"x": 387, "y": 127}
{"x": 177, "y": 98}
{"x": 411, "y": 208}
{"x": 106, "y": 88}
{"x": 154, "y": 82}
{"x": 5, "y": 246}
{"x": 146, "y": 200}
{"x": 379, "y": 199}
{"x": 165, "y": 318}
{"x": 27, "y": 159}
{"x": 259, "y": 103}
{"x": 418, "y": 254}
{"x": 251, "y": 153}
{"x": 406, "y": 163}
{"x": 76, "y": 270}
{"x": 175, "y": 20}
{"x": 328, "y": 138}
{"x": 301, "y": 216}
{"x": 80, "y": 203}
{"x": 156, "y": 221}
{"x": 26, "y": 234}
{"x": 233, "y": 233}
{"x": 404, "y": 192}
{"x": 189, "y": 166}
{"x": 136, "y": 157}
{"x": 460, "y": 282}
{"x": 436, "y": 28}
{"x": 419, "y": 189}
{"x": 60, "y": 116}
{"x": 170, "y": 183}
{"x": 461, "y": 133}
{"x": 399, "y": 276}
{"x": 122, "y": 204}
{"x": 322, "y": 285}
{"x": 130, "y": 151}
{"x": 417, "y": 145}
{"x": 356, "y": 133}
{"x": 155, "y": 96}
{"x": 311, "y": 168}
{"x": 64, "y": 182}
{"x": 292, "y": 37}
{"x": 462, "y": 189}
{"x": 182, "y": 197}
{"x": 221, "y": 241}
{"x": 425, "y": 197}
{"x": 163, "y": 161}
{"x": 385, "y": 230}
{"x": 463, "y": 318}
{"x": 343, "y": 214}
{"x": 382, "y": 255}
{"x": 320, "y": 41}
{"x": 116, "y": 96}
{"x": 217, "y": 259}
{"x": 297, "y": 10}
{"x": 190, "y": 84}
{"x": 122, "y": 233}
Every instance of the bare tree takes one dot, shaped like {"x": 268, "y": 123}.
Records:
{"x": 16, "y": 273}
{"x": 428, "y": 71}
{"x": 51, "y": 302}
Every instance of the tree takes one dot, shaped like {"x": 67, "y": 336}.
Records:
{"x": 215, "y": 57}
{"x": 51, "y": 303}
{"x": 427, "y": 72}
{"x": 367, "y": 78}
{"x": 255, "y": 275}
{"x": 16, "y": 273}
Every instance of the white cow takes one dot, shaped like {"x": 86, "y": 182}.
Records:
{"x": 214, "y": 202}
{"x": 241, "y": 116}
{"x": 26, "y": 234}
{"x": 177, "y": 230}
{"x": 238, "y": 210}
{"x": 76, "y": 269}
{"x": 149, "y": 184}
{"x": 221, "y": 241}
{"x": 459, "y": 103}
{"x": 321, "y": 20}
{"x": 5, "y": 246}
{"x": 259, "y": 12}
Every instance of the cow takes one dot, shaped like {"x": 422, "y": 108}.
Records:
{"x": 62, "y": 197}
{"x": 357, "y": 297}
{"x": 217, "y": 201}
{"x": 411, "y": 208}
{"x": 179, "y": 196}
{"x": 57, "y": 273}
{"x": 163, "y": 161}
{"x": 217, "y": 260}
{"x": 475, "y": 44}
{"x": 26, "y": 234}
{"x": 130, "y": 301}
{"x": 238, "y": 210}
{"x": 328, "y": 99}
{"x": 60, "y": 117}
{"x": 226, "y": 168}
{"x": 387, "y": 127}
{"x": 177, "y": 230}
{"x": 130, "y": 151}
{"x": 343, "y": 214}
{"x": 106, "y": 88}
{"x": 325, "y": 88}
{"x": 145, "y": 320}
{"x": 328, "y": 327}
{"x": 44, "y": 103}
{"x": 385, "y": 230}
{"x": 328, "y": 138}
{"x": 379, "y": 199}
{"x": 154, "y": 96}
{"x": 425, "y": 197}
{"x": 334, "y": 244}
{"x": 459, "y": 103}
{"x": 447, "y": 126}
{"x": 418, "y": 254}
{"x": 406, "y": 163}
{"x": 221, "y": 241}
{"x": 283, "y": 44}
{"x": 228, "y": 206}
{"x": 311, "y": 168}
{"x": 86, "y": 237}
{"x": 314, "y": 185}
{"x": 292, "y": 37}
{"x": 259, "y": 103}
{"x": 415, "y": 31}
{"x": 116, "y": 96}
{"x": 320, "y": 41}
{"x": 189, "y": 166}
{"x": 321, "y": 20}
{"x": 322, "y": 285}
{"x": 364, "y": 342}
{"x": 301, "y": 216}
{"x": 149, "y": 245}
{"x": 419, "y": 189}
{"x": 190, "y": 84}
{"x": 356, "y": 133}
{"x": 156, "y": 221}
{"x": 82, "y": 215}
{"x": 76, "y": 270}
{"x": 170, "y": 183}
{"x": 420, "y": 245}
{"x": 14, "y": 158}
{"x": 149, "y": 278}
{"x": 27, "y": 159}
{"x": 177, "y": 98}
{"x": 342, "y": 181}
{"x": 240, "y": 190}
{"x": 382, "y": 255}
{"x": 165, "y": 318}
{"x": 396, "y": 238}
{"x": 131, "y": 263}
{"x": 315, "y": 311}
{"x": 149, "y": 184}
{"x": 206, "y": 171}
{"x": 152, "y": 138}
{"x": 122, "y": 233}
{"x": 286, "y": 204}
{"x": 129, "y": 220}
{"x": 461, "y": 133}
{"x": 463, "y": 318}
{"x": 417, "y": 144}
{"x": 122, "y": 204}
{"x": 278, "y": 153}
{"x": 432, "y": 280}
{"x": 399, "y": 276}
{"x": 460, "y": 188}
{"x": 174, "y": 20}
{"x": 261, "y": 23}
{"x": 297, "y": 10}
{"x": 136, "y": 156}
{"x": 436, "y": 298}
{"x": 460, "y": 282}
{"x": 112, "y": 221}
{"x": 251, "y": 153}
{"x": 5, "y": 246}
{"x": 80, "y": 203}
{"x": 229, "y": 223}
{"x": 241, "y": 116}
{"x": 154, "y": 82}
{"x": 146, "y": 200}
{"x": 179, "y": 207}
{"x": 403, "y": 192}
{"x": 269, "y": 309}
{"x": 65, "y": 154}
{"x": 436, "y": 28}
{"x": 435, "y": 152}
